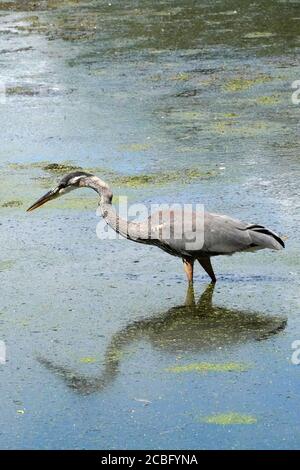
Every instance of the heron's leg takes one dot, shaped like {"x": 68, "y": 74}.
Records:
{"x": 206, "y": 265}
{"x": 188, "y": 264}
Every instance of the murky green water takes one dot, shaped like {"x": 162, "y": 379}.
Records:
{"x": 174, "y": 101}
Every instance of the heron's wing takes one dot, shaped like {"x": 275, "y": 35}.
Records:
{"x": 203, "y": 233}
{"x": 224, "y": 235}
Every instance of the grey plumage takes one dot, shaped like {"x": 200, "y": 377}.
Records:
{"x": 222, "y": 235}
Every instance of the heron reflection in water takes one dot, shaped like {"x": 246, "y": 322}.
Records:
{"x": 193, "y": 327}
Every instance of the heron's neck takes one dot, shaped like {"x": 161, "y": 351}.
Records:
{"x": 131, "y": 230}
{"x": 99, "y": 186}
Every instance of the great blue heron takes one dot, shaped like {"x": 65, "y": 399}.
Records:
{"x": 191, "y": 235}
{"x": 195, "y": 327}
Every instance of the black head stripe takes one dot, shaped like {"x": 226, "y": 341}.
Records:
{"x": 65, "y": 181}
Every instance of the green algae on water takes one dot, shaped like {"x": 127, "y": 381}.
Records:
{"x": 45, "y": 166}
{"x": 233, "y": 127}
{"x": 242, "y": 84}
{"x": 113, "y": 178}
{"x": 12, "y": 204}
{"x": 204, "y": 367}
{"x": 6, "y": 265}
{"x": 268, "y": 100}
{"x": 227, "y": 419}
{"x": 21, "y": 90}
{"x": 230, "y": 115}
{"x": 181, "y": 77}
{"x": 135, "y": 180}
{"x": 59, "y": 167}
{"x": 88, "y": 360}
{"x": 184, "y": 176}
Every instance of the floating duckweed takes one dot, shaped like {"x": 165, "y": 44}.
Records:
{"x": 253, "y": 128}
{"x": 241, "y": 84}
{"x": 225, "y": 419}
{"x": 230, "y": 115}
{"x": 268, "y": 100}
{"x": 59, "y": 167}
{"x": 53, "y": 170}
{"x": 11, "y": 204}
{"x": 209, "y": 367}
{"x": 21, "y": 90}
{"x": 184, "y": 176}
{"x": 194, "y": 173}
{"x": 87, "y": 360}
{"x": 32, "y": 90}
{"x": 136, "y": 180}
{"x": 182, "y": 77}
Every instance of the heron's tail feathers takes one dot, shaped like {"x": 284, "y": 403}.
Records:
{"x": 262, "y": 237}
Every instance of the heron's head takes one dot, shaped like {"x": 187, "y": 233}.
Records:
{"x": 68, "y": 183}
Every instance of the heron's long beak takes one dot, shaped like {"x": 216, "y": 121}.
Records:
{"x": 53, "y": 194}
